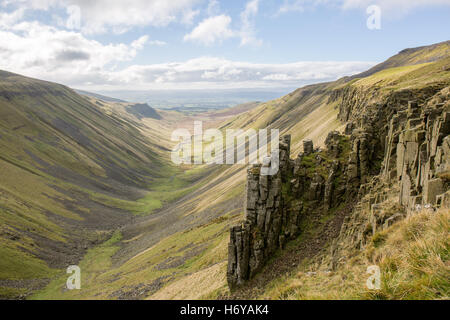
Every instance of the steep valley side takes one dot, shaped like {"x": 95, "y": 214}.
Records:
{"x": 395, "y": 165}
{"x": 160, "y": 255}
{"x": 297, "y": 235}
{"x": 73, "y": 171}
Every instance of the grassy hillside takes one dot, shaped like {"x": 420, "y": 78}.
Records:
{"x": 184, "y": 243}
{"x": 312, "y": 112}
{"x": 410, "y": 57}
{"x": 305, "y": 113}
{"x": 70, "y": 174}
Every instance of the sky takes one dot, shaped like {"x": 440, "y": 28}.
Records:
{"x": 108, "y": 45}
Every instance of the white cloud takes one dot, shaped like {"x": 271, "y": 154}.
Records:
{"x": 74, "y": 20}
{"x": 189, "y": 16}
{"x": 70, "y": 57}
{"x": 217, "y": 73}
{"x": 213, "y": 8}
{"x": 211, "y": 30}
{"x": 157, "y": 43}
{"x": 397, "y": 7}
{"x": 248, "y": 24}
{"x": 67, "y": 57}
{"x": 139, "y": 43}
{"x": 9, "y": 19}
{"x": 103, "y": 15}
{"x": 389, "y": 7}
{"x": 288, "y": 6}
{"x": 217, "y": 28}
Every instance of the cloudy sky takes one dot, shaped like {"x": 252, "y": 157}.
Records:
{"x": 108, "y": 45}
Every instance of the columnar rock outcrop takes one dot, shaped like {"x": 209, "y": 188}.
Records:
{"x": 414, "y": 175}
{"x": 275, "y": 204}
{"x": 252, "y": 242}
{"x": 418, "y": 155}
{"x": 308, "y": 147}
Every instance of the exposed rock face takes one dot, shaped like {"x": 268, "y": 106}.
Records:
{"x": 417, "y": 154}
{"x": 332, "y": 143}
{"x": 358, "y": 163}
{"x": 252, "y": 242}
{"x": 349, "y": 128}
{"x": 329, "y": 185}
{"x": 393, "y": 161}
{"x": 275, "y": 204}
{"x": 414, "y": 175}
{"x": 308, "y": 147}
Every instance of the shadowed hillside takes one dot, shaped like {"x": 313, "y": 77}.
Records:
{"x": 143, "y": 111}
{"x": 71, "y": 173}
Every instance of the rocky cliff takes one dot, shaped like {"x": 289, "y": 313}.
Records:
{"x": 392, "y": 159}
{"x": 414, "y": 173}
{"x": 276, "y": 204}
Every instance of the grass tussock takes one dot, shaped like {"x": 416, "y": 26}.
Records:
{"x": 413, "y": 256}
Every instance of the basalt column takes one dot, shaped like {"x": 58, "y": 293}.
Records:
{"x": 253, "y": 241}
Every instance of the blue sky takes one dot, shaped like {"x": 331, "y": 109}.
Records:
{"x": 208, "y": 44}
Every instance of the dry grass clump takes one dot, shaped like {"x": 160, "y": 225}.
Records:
{"x": 413, "y": 256}
{"x": 414, "y": 260}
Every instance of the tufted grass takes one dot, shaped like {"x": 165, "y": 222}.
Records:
{"x": 413, "y": 256}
